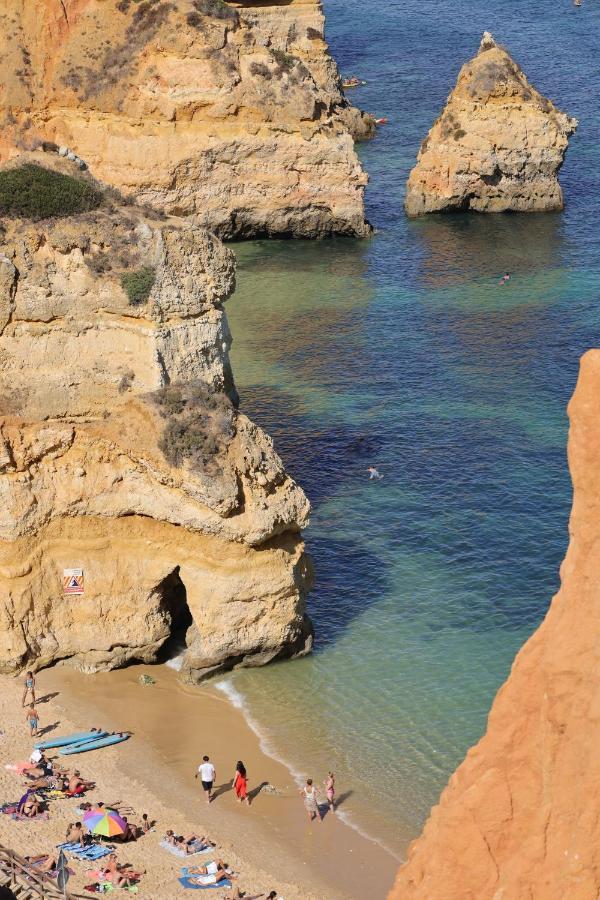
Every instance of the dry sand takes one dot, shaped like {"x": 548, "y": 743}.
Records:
{"x": 271, "y": 845}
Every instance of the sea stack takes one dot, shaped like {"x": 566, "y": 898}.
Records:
{"x": 138, "y": 504}
{"x": 519, "y": 818}
{"x": 497, "y": 146}
{"x": 232, "y": 113}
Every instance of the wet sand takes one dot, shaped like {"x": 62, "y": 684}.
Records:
{"x": 174, "y": 725}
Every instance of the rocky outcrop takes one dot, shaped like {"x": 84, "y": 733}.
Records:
{"x": 121, "y": 454}
{"x": 231, "y": 112}
{"x": 519, "y": 818}
{"x": 498, "y": 144}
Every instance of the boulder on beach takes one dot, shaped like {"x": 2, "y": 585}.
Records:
{"x": 497, "y": 146}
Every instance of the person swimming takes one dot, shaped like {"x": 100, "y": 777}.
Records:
{"x": 374, "y": 473}
{"x": 505, "y": 278}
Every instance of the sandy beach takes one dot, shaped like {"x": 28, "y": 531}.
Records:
{"x": 271, "y": 844}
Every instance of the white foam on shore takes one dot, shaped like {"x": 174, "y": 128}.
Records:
{"x": 176, "y": 662}
{"x": 238, "y": 700}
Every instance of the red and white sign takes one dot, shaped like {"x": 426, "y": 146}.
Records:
{"x": 72, "y": 581}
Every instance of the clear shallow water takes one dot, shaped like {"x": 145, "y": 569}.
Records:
{"x": 403, "y": 352}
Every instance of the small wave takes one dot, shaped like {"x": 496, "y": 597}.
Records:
{"x": 175, "y": 662}
{"x": 238, "y": 700}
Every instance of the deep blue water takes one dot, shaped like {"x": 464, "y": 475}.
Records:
{"x": 403, "y": 352}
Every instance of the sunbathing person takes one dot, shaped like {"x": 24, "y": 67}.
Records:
{"x": 41, "y": 767}
{"x": 214, "y": 871}
{"x": 130, "y": 833}
{"x": 188, "y": 844}
{"x": 29, "y": 805}
{"x": 44, "y": 862}
{"x": 76, "y": 833}
{"x": 77, "y": 785}
{"x": 118, "y": 875}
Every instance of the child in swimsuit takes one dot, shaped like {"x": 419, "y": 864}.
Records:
{"x": 32, "y": 717}
{"x": 29, "y": 687}
{"x": 330, "y": 790}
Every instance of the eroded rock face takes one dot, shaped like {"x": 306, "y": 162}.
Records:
{"x": 519, "y": 818}
{"x": 233, "y": 113}
{"x": 498, "y": 144}
{"x": 89, "y": 480}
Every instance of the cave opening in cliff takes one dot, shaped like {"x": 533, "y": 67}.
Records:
{"x": 173, "y": 602}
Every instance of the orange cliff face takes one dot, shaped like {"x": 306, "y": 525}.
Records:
{"x": 233, "y": 113}
{"x": 520, "y": 818}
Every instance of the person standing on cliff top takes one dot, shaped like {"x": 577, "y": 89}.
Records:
{"x": 29, "y": 687}
{"x": 207, "y": 774}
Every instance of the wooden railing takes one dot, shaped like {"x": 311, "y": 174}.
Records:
{"x": 26, "y": 882}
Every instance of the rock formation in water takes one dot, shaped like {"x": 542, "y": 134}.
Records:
{"x": 519, "y": 818}
{"x": 121, "y": 453}
{"x": 498, "y": 144}
{"x": 231, "y": 112}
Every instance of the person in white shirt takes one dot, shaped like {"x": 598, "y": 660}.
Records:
{"x": 207, "y": 774}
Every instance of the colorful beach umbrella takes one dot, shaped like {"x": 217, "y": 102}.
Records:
{"x": 106, "y": 822}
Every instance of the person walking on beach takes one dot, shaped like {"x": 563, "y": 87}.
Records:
{"x": 309, "y": 795}
{"x": 330, "y": 790}
{"x": 29, "y": 687}
{"x": 240, "y": 783}
{"x": 33, "y": 719}
{"x": 207, "y": 774}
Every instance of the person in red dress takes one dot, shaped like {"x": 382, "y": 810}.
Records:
{"x": 240, "y": 783}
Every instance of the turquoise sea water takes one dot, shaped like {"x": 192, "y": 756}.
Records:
{"x": 403, "y": 352}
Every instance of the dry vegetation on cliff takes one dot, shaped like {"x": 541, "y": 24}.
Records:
{"x": 199, "y": 425}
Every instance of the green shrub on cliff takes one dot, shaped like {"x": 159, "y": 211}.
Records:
{"x": 200, "y": 424}
{"x": 138, "y": 284}
{"x": 32, "y": 192}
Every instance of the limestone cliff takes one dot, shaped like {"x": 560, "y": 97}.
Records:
{"x": 231, "y": 112}
{"x": 519, "y": 818}
{"x": 122, "y": 454}
{"x": 498, "y": 144}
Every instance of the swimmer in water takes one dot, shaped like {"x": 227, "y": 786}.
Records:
{"x": 373, "y": 473}
{"x": 505, "y": 278}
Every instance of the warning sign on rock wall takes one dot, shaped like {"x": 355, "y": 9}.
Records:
{"x": 72, "y": 581}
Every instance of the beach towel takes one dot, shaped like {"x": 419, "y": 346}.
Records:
{"x": 176, "y": 851}
{"x": 21, "y": 817}
{"x": 19, "y": 767}
{"x": 187, "y": 883}
{"x": 88, "y": 852}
